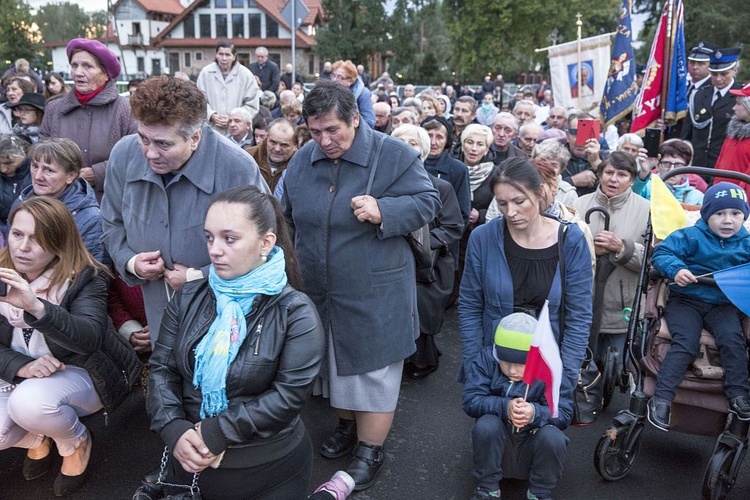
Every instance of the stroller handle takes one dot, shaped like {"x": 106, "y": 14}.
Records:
{"x": 601, "y": 210}
{"x": 711, "y": 172}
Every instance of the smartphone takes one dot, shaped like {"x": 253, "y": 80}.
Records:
{"x": 587, "y": 129}
{"x": 651, "y": 141}
{"x": 3, "y": 289}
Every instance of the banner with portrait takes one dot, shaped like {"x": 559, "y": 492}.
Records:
{"x": 594, "y": 67}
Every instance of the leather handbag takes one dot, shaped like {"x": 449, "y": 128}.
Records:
{"x": 588, "y": 397}
{"x": 161, "y": 490}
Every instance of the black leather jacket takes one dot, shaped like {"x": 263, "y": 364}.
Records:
{"x": 267, "y": 384}
{"x": 78, "y": 333}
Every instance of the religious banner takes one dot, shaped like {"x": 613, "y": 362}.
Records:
{"x": 594, "y": 61}
{"x": 620, "y": 90}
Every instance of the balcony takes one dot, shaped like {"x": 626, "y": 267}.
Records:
{"x": 135, "y": 39}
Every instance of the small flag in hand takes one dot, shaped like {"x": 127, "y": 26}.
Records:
{"x": 543, "y": 361}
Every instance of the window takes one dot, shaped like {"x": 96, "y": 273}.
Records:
{"x": 174, "y": 62}
{"x": 205, "y": 21}
{"x": 254, "y": 26}
{"x": 198, "y": 56}
{"x": 238, "y": 4}
{"x": 189, "y": 23}
{"x": 221, "y": 25}
{"x": 141, "y": 62}
{"x": 250, "y": 3}
{"x": 272, "y": 28}
{"x": 243, "y": 58}
{"x": 188, "y": 62}
{"x": 311, "y": 65}
{"x": 275, "y": 57}
{"x": 220, "y": 4}
{"x": 238, "y": 26}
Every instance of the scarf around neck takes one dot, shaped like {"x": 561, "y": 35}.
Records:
{"x": 85, "y": 98}
{"x": 219, "y": 347}
{"x": 478, "y": 174}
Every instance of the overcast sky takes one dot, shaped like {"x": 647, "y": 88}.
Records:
{"x": 87, "y": 5}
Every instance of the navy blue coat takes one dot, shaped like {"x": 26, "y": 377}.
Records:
{"x": 360, "y": 275}
{"x": 486, "y": 297}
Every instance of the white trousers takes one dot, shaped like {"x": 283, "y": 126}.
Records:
{"x": 48, "y": 406}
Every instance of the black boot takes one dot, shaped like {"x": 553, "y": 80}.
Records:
{"x": 343, "y": 440}
{"x": 367, "y": 463}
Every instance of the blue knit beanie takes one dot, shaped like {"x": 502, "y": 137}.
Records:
{"x": 513, "y": 337}
{"x": 723, "y": 196}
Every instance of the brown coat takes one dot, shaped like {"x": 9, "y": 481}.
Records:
{"x": 260, "y": 154}
{"x": 96, "y": 127}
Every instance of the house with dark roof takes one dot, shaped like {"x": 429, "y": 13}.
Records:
{"x": 153, "y": 37}
{"x": 190, "y": 39}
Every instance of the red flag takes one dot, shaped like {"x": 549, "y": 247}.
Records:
{"x": 543, "y": 361}
{"x": 648, "y": 103}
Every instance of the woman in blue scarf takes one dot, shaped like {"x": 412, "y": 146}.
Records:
{"x": 236, "y": 359}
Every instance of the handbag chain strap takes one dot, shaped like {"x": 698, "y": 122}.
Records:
{"x": 193, "y": 486}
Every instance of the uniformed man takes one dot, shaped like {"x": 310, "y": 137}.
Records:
{"x": 711, "y": 108}
{"x": 697, "y": 65}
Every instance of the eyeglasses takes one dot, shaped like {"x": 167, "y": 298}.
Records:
{"x": 20, "y": 110}
{"x": 669, "y": 165}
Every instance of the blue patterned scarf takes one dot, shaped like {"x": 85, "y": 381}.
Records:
{"x": 218, "y": 348}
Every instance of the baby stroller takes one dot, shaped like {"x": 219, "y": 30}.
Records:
{"x": 699, "y": 406}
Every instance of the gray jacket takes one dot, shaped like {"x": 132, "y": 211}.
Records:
{"x": 360, "y": 275}
{"x": 140, "y": 214}
{"x": 96, "y": 127}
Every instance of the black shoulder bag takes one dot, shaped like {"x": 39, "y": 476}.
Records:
{"x": 419, "y": 240}
{"x": 588, "y": 396}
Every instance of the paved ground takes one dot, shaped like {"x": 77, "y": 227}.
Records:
{"x": 428, "y": 452}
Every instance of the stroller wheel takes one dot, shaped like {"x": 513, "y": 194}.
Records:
{"x": 610, "y": 373}
{"x": 721, "y": 473}
{"x": 616, "y": 452}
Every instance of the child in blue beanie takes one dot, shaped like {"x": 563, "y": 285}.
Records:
{"x": 514, "y": 434}
{"x": 717, "y": 241}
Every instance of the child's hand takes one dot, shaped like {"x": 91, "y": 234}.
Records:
{"x": 684, "y": 278}
{"x": 520, "y": 412}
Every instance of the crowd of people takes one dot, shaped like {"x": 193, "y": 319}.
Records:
{"x": 253, "y": 244}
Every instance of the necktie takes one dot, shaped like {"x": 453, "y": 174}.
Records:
{"x": 717, "y": 96}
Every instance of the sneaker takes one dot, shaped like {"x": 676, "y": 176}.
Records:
{"x": 531, "y": 496}
{"x": 484, "y": 494}
{"x": 740, "y": 406}
{"x": 659, "y": 414}
{"x": 340, "y": 485}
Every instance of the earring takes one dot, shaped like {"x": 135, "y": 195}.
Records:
{"x": 263, "y": 257}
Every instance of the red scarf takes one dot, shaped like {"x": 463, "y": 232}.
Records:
{"x": 85, "y": 98}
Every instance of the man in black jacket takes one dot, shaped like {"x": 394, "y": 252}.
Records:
{"x": 711, "y": 108}
{"x": 267, "y": 71}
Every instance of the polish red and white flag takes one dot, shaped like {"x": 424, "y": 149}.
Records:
{"x": 543, "y": 361}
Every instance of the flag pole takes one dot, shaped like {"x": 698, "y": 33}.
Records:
{"x": 525, "y": 395}
{"x": 579, "y": 23}
{"x": 668, "y": 49}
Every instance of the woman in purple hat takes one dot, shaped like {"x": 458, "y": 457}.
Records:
{"x": 94, "y": 115}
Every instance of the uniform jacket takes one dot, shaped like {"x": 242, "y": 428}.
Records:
{"x": 139, "y": 214}
{"x": 628, "y": 214}
{"x": 269, "y": 75}
{"x": 77, "y": 333}
{"x": 80, "y": 199}
{"x": 360, "y": 275}
{"x": 268, "y": 382}
{"x": 735, "y": 153}
{"x": 10, "y": 190}
{"x": 449, "y": 169}
{"x": 486, "y": 297}
{"x": 699, "y": 250}
{"x": 96, "y": 127}
{"x": 707, "y": 141}
{"x": 487, "y": 391}
{"x": 238, "y": 90}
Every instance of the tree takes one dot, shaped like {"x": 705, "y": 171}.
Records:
{"x": 501, "y": 35}
{"x": 353, "y": 29}
{"x": 19, "y": 36}
{"x": 418, "y": 41}
{"x": 61, "y": 22}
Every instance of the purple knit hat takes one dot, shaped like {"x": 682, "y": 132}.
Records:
{"x": 97, "y": 49}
